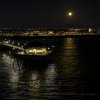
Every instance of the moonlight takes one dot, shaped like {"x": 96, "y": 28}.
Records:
{"x": 70, "y": 13}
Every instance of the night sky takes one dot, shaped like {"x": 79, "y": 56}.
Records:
{"x": 49, "y": 13}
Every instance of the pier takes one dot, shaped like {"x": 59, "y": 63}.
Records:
{"x": 11, "y": 45}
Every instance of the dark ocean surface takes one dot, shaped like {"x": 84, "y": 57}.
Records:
{"x": 71, "y": 72}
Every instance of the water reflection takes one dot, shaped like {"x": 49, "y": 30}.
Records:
{"x": 70, "y": 51}
{"x": 60, "y": 78}
{"x": 12, "y": 68}
{"x": 50, "y": 75}
{"x": 69, "y": 76}
{"x": 31, "y": 86}
{"x": 23, "y": 83}
{"x": 26, "y": 82}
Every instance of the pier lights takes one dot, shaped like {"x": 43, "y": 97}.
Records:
{"x": 53, "y": 46}
{"x": 6, "y": 41}
{"x": 48, "y": 48}
{"x": 13, "y": 42}
{"x": 18, "y": 43}
{"x": 25, "y": 44}
{"x": 13, "y": 48}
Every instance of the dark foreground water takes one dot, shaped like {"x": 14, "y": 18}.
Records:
{"x": 70, "y": 73}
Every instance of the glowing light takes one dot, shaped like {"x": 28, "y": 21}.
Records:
{"x": 70, "y": 13}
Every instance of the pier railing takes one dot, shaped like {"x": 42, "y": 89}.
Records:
{"x": 11, "y": 45}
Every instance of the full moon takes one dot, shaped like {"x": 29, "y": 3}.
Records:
{"x": 70, "y": 13}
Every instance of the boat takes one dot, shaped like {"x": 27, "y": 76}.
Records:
{"x": 35, "y": 51}
{"x": 37, "y": 54}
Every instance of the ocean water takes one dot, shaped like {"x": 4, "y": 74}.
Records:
{"x": 69, "y": 73}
